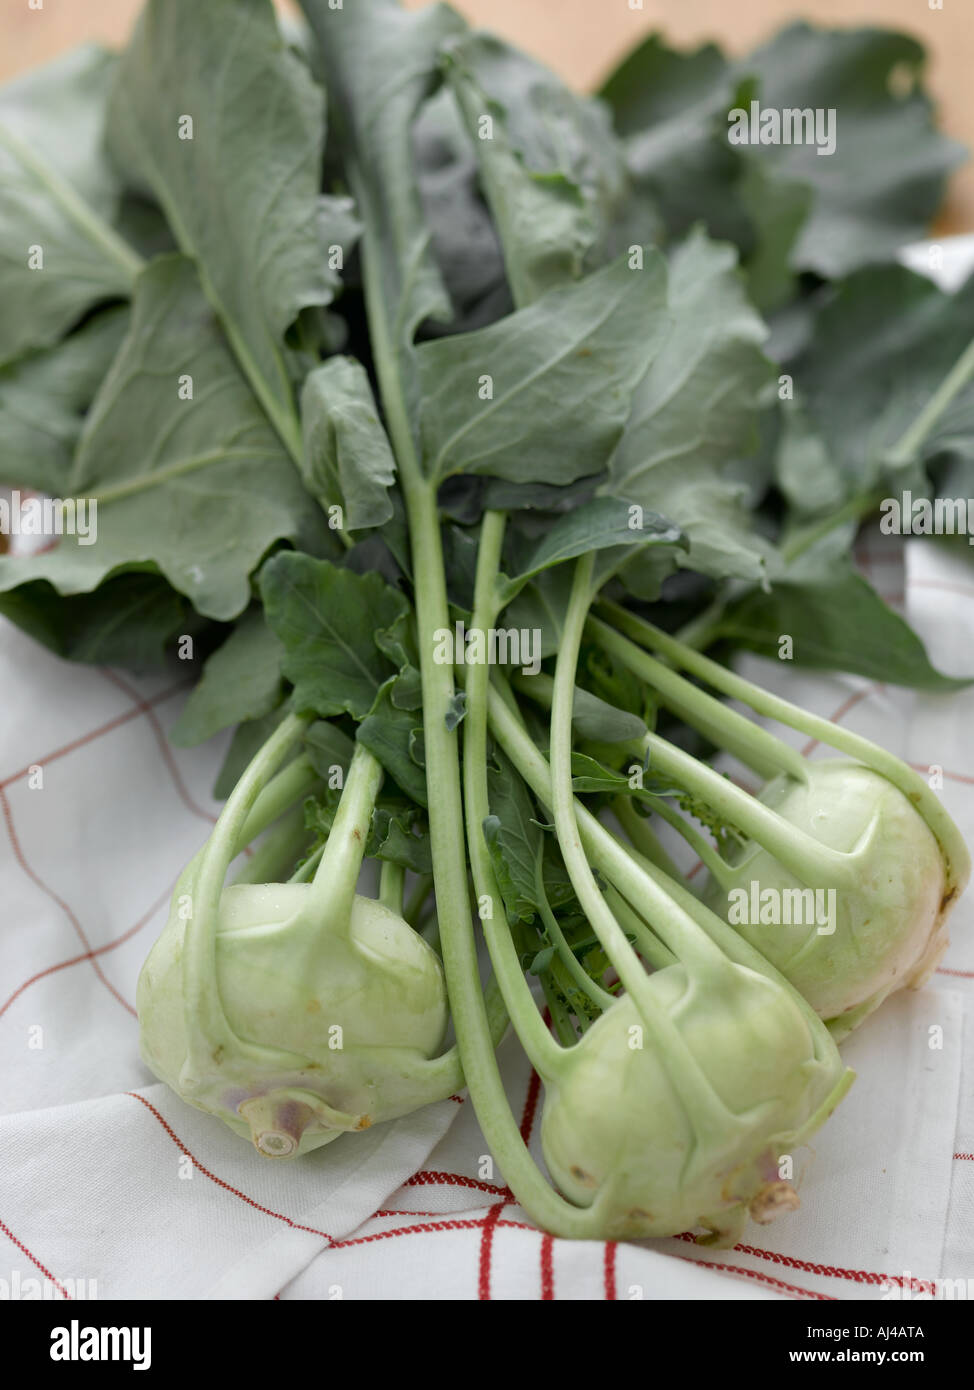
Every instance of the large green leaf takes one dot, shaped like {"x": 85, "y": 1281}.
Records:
{"x": 552, "y": 169}
{"x": 542, "y": 396}
{"x": 241, "y": 195}
{"x": 59, "y": 195}
{"x": 131, "y": 620}
{"x": 671, "y": 108}
{"x": 43, "y": 399}
{"x": 885, "y": 180}
{"x": 463, "y": 235}
{"x": 202, "y": 487}
{"x": 696, "y": 410}
{"x": 380, "y": 62}
{"x": 881, "y": 349}
{"x": 326, "y": 618}
{"x": 241, "y": 680}
{"x": 348, "y": 460}
{"x": 785, "y": 206}
{"x": 839, "y": 623}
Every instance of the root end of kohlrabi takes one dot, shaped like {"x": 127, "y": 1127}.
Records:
{"x": 773, "y": 1201}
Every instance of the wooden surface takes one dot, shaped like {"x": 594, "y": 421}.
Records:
{"x": 582, "y": 38}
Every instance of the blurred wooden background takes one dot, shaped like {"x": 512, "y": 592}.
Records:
{"x": 582, "y": 38}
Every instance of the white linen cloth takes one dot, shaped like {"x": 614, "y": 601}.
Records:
{"x": 111, "y": 1187}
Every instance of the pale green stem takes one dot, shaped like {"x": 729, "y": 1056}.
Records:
{"x": 711, "y": 1119}
{"x": 538, "y": 1043}
{"x": 207, "y": 1027}
{"x": 392, "y": 882}
{"x": 277, "y": 851}
{"x": 911, "y": 783}
{"x": 470, "y": 1016}
{"x": 745, "y": 740}
{"x": 336, "y": 877}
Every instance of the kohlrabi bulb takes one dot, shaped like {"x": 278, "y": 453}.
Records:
{"x": 844, "y": 940}
{"x": 331, "y": 1017}
{"x": 662, "y": 1137}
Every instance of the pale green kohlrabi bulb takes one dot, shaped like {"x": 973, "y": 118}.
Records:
{"x": 879, "y": 923}
{"x": 664, "y": 1128}
{"x": 294, "y": 1011}
{"x": 333, "y": 1020}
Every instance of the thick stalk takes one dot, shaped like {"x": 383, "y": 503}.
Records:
{"x": 470, "y": 1018}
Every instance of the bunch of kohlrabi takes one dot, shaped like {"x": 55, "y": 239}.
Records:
{"x": 427, "y": 399}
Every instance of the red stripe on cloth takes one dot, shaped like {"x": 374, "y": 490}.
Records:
{"x": 610, "y": 1270}
{"x": 427, "y": 1178}
{"x": 145, "y": 707}
{"x": 50, "y": 893}
{"x": 969, "y": 1157}
{"x": 761, "y": 1278}
{"x": 858, "y": 1276}
{"x": 547, "y": 1269}
{"x": 89, "y": 955}
{"x": 960, "y": 974}
{"x": 486, "y": 1250}
{"x": 35, "y": 1261}
{"x": 267, "y": 1211}
{"x": 102, "y": 729}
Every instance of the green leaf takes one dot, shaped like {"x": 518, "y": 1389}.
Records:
{"x": 201, "y": 487}
{"x": 463, "y": 236}
{"x": 603, "y": 523}
{"x": 43, "y": 399}
{"x": 58, "y": 194}
{"x": 400, "y": 835}
{"x": 241, "y": 195}
{"x": 131, "y": 620}
{"x": 394, "y": 736}
{"x": 595, "y": 720}
{"x": 696, "y": 408}
{"x": 326, "y": 618}
{"x": 380, "y": 62}
{"x": 885, "y": 180}
{"x": 348, "y": 461}
{"x": 578, "y": 351}
{"x": 541, "y": 605}
{"x": 241, "y": 680}
{"x": 837, "y": 624}
{"x": 328, "y": 747}
{"x": 671, "y": 109}
{"x": 551, "y": 167}
{"x": 589, "y": 775}
{"x": 896, "y": 336}
{"x": 513, "y": 838}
